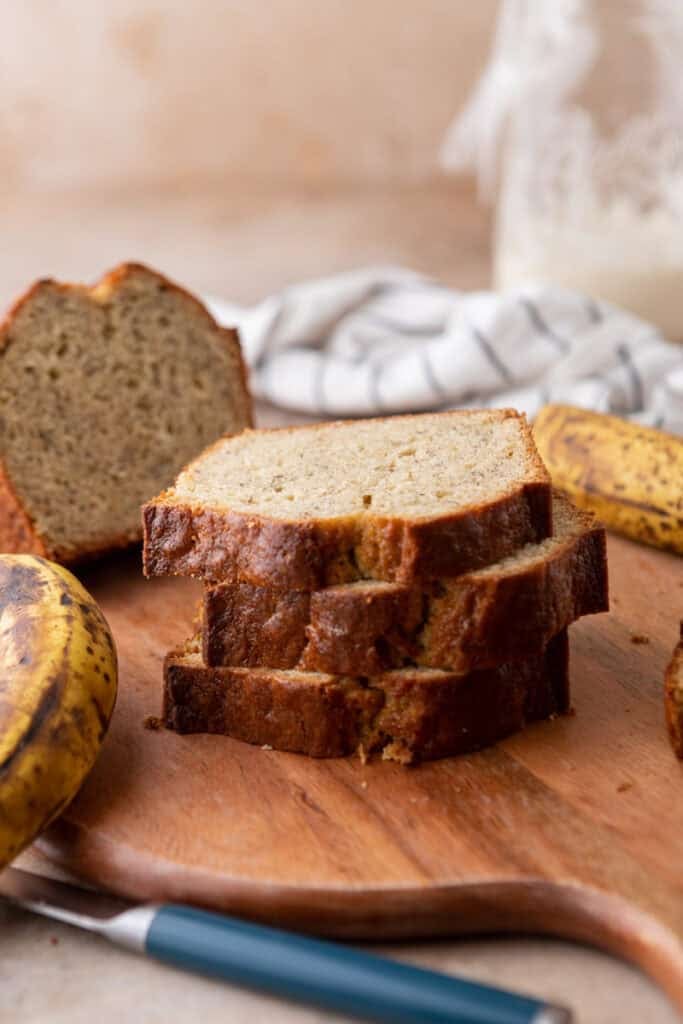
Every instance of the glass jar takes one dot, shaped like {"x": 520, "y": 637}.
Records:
{"x": 586, "y": 100}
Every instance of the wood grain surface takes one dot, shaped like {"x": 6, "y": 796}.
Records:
{"x": 574, "y": 827}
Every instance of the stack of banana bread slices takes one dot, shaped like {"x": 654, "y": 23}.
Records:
{"x": 399, "y": 586}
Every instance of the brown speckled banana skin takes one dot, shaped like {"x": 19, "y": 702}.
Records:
{"x": 58, "y": 684}
{"x": 630, "y": 476}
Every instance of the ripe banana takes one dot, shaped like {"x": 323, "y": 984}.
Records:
{"x": 58, "y": 682}
{"x": 630, "y": 476}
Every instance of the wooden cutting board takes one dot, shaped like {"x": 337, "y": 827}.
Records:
{"x": 574, "y": 827}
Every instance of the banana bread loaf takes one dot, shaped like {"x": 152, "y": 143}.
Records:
{"x": 105, "y": 393}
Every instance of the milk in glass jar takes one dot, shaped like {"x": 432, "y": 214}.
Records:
{"x": 578, "y": 126}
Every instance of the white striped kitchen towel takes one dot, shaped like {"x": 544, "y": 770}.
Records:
{"x": 382, "y": 339}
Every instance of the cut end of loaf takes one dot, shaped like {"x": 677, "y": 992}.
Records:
{"x": 106, "y": 392}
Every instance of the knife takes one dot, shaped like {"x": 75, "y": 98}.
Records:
{"x": 324, "y": 973}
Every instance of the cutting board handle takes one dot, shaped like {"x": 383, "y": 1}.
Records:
{"x": 632, "y": 931}
{"x": 644, "y": 928}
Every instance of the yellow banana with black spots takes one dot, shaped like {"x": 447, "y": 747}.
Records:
{"x": 630, "y": 476}
{"x": 58, "y": 678}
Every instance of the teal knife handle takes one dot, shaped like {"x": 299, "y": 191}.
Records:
{"x": 330, "y": 975}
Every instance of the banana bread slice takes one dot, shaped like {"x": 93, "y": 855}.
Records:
{"x": 105, "y": 393}
{"x": 403, "y": 498}
{"x": 503, "y": 612}
{"x": 673, "y": 697}
{"x": 407, "y": 715}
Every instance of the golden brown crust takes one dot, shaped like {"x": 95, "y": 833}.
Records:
{"x": 259, "y": 627}
{"x": 221, "y": 545}
{"x": 473, "y": 621}
{"x": 407, "y": 715}
{"x": 17, "y": 531}
{"x": 673, "y": 698}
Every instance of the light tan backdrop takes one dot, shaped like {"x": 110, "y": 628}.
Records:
{"x": 186, "y": 91}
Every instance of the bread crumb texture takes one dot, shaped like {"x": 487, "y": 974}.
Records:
{"x": 407, "y": 466}
{"x": 105, "y": 394}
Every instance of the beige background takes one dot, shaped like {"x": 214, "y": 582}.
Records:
{"x": 135, "y": 92}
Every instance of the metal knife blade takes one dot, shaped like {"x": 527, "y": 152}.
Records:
{"x": 275, "y": 961}
{"x": 119, "y": 920}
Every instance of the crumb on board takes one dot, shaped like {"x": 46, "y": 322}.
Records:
{"x": 639, "y": 638}
{"x": 624, "y": 787}
{"x": 364, "y": 784}
{"x": 153, "y": 723}
{"x": 266, "y": 746}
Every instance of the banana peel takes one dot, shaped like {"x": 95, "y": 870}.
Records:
{"x": 629, "y": 475}
{"x": 58, "y": 680}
